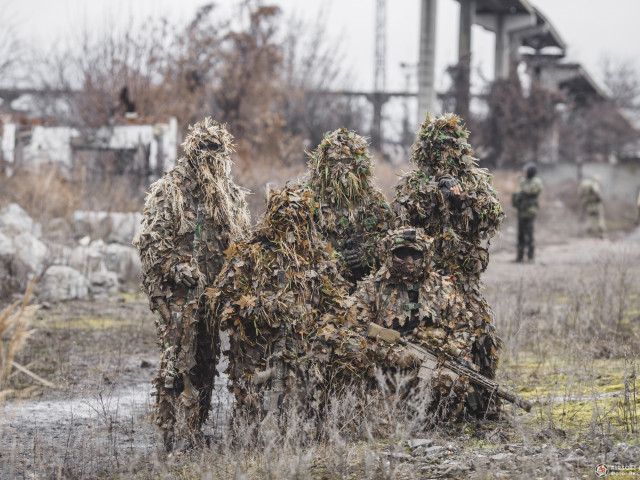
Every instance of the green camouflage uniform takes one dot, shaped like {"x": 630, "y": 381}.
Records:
{"x": 525, "y": 200}
{"x": 461, "y": 226}
{"x": 353, "y": 211}
{"x": 191, "y": 215}
{"x": 591, "y": 201}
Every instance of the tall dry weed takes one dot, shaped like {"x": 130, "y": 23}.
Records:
{"x": 14, "y": 333}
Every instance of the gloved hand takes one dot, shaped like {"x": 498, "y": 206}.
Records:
{"x": 184, "y": 275}
{"x": 450, "y": 187}
{"x": 352, "y": 254}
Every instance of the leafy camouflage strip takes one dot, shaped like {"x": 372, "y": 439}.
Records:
{"x": 353, "y": 212}
{"x": 191, "y": 215}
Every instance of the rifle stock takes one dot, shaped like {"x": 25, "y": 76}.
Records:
{"x": 429, "y": 362}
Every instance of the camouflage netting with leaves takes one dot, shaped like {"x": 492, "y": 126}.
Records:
{"x": 461, "y": 225}
{"x": 353, "y": 211}
{"x": 273, "y": 290}
{"x": 280, "y": 295}
{"x": 191, "y": 215}
{"x": 458, "y": 223}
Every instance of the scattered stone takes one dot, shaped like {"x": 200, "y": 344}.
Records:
{"x": 399, "y": 456}
{"x": 6, "y": 246}
{"x": 60, "y": 283}
{"x": 124, "y": 260}
{"x": 58, "y": 231}
{"x": 436, "y": 449}
{"x": 118, "y": 227}
{"x": 419, "y": 442}
{"x": 30, "y": 251}
{"x": 500, "y": 456}
{"x": 145, "y": 364}
{"x": 13, "y": 219}
{"x": 575, "y": 459}
{"x": 103, "y": 284}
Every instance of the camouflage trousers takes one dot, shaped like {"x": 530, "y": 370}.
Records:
{"x": 525, "y": 237}
{"x": 184, "y": 382}
{"x": 594, "y": 217}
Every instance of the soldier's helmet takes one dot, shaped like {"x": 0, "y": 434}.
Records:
{"x": 406, "y": 252}
{"x": 340, "y": 167}
{"x": 208, "y": 142}
{"x": 442, "y": 145}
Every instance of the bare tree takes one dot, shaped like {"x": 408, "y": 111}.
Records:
{"x": 622, "y": 80}
{"x": 12, "y": 48}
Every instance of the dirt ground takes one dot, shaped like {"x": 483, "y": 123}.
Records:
{"x": 102, "y": 357}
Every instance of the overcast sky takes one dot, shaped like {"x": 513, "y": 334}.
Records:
{"x": 592, "y": 29}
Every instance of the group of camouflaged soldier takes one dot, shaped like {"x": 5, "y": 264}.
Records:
{"x": 333, "y": 286}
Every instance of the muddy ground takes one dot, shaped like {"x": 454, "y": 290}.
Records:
{"x": 102, "y": 356}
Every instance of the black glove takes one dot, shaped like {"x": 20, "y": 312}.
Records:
{"x": 446, "y": 184}
{"x": 352, "y": 253}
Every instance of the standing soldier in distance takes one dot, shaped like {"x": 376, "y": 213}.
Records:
{"x": 592, "y": 207}
{"x": 191, "y": 215}
{"x": 525, "y": 200}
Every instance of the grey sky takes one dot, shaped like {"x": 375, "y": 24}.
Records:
{"x": 593, "y": 29}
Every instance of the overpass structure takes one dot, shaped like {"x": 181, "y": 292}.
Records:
{"x": 515, "y": 23}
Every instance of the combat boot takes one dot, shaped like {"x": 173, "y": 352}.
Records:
{"x": 530, "y": 254}
{"x": 520, "y": 255}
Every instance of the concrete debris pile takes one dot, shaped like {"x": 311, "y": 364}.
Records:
{"x": 68, "y": 269}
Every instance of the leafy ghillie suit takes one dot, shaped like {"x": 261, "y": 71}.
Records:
{"x": 353, "y": 212}
{"x": 293, "y": 337}
{"x": 272, "y": 293}
{"x": 461, "y": 225}
{"x": 191, "y": 215}
{"x": 408, "y": 295}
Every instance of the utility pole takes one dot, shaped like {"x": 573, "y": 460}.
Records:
{"x": 463, "y": 83}
{"x": 378, "y": 98}
{"x": 427, "y": 61}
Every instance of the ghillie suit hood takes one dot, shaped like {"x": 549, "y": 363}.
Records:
{"x": 353, "y": 209}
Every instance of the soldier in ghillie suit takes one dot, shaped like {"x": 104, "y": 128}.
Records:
{"x": 525, "y": 200}
{"x": 412, "y": 298}
{"x": 353, "y": 211}
{"x": 274, "y": 291}
{"x": 592, "y": 208}
{"x": 191, "y": 215}
{"x": 452, "y": 199}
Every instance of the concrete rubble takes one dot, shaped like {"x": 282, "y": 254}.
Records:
{"x": 90, "y": 257}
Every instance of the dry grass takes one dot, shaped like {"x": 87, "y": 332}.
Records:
{"x": 14, "y": 333}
